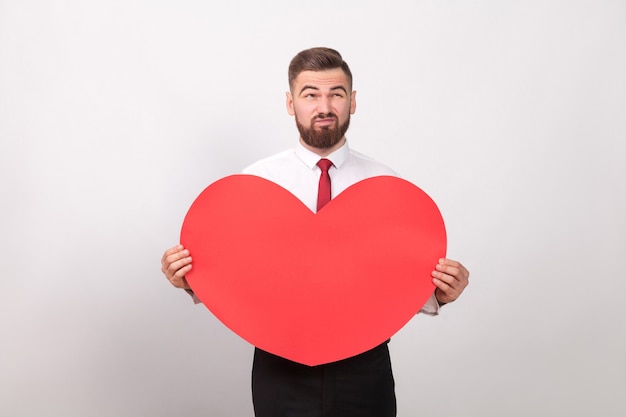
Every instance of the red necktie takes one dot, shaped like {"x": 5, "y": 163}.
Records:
{"x": 323, "y": 192}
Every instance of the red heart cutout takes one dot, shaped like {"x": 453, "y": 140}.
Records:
{"x": 313, "y": 288}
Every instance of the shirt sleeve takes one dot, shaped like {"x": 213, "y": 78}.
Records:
{"x": 194, "y": 297}
{"x": 431, "y": 308}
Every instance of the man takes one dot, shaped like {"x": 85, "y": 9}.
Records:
{"x": 321, "y": 99}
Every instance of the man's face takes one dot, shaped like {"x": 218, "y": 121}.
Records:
{"x": 322, "y": 103}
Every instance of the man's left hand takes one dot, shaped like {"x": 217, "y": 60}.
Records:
{"x": 451, "y": 278}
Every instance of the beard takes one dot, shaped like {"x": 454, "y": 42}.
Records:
{"x": 327, "y": 136}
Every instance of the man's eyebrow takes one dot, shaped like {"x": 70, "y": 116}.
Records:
{"x": 339, "y": 87}
{"x": 312, "y": 87}
{"x": 308, "y": 87}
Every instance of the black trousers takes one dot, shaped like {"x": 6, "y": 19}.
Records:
{"x": 361, "y": 386}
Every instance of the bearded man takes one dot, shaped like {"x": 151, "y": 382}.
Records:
{"x": 321, "y": 99}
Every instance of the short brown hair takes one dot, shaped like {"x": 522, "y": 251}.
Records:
{"x": 317, "y": 59}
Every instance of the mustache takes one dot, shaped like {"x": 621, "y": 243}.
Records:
{"x": 325, "y": 116}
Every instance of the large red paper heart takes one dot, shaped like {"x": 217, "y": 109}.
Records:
{"x": 313, "y": 288}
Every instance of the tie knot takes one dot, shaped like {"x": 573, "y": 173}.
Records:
{"x": 324, "y": 164}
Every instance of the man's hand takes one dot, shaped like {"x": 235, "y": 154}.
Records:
{"x": 451, "y": 278}
{"x": 175, "y": 263}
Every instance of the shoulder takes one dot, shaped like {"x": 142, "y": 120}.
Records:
{"x": 358, "y": 160}
{"x": 270, "y": 163}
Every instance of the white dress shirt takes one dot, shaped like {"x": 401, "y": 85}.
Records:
{"x": 296, "y": 170}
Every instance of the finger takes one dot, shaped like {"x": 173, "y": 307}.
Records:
{"x": 171, "y": 251}
{"x": 170, "y": 257}
{"x": 448, "y": 285}
{"x": 446, "y": 276}
{"x": 443, "y": 292}
{"x": 442, "y": 285}
{"x": 178, "y": 279}
{"x": 178, "y": 267}
{"x": 453, "y": 268}
{"x": 451, "y": 276}
{"x": 447, "y": 293}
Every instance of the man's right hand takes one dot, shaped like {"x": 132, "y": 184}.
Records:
{"x": 175, "y": 264}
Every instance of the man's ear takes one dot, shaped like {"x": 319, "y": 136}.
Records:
{"x": 289, "y": 104}
{"x": 353, "y": 102}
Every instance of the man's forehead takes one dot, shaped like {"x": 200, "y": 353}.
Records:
{"x": 322, "y": 79}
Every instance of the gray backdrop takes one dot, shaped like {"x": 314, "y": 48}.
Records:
{"x": 115, "y": 114}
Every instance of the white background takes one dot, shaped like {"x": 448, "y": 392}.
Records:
{"x": 115, "y": 114}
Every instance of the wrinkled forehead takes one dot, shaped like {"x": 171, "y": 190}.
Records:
{"x": 325, "y": 79}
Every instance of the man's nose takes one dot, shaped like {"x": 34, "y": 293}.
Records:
{"x": 323, "y": 105}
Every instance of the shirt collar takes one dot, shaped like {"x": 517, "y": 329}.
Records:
{"x": 310, "y": 158}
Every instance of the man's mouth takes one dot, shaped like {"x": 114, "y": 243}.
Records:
{"x": 325, "y": 121}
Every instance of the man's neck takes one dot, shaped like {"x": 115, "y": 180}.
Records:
{"x": 324, "y": 151}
